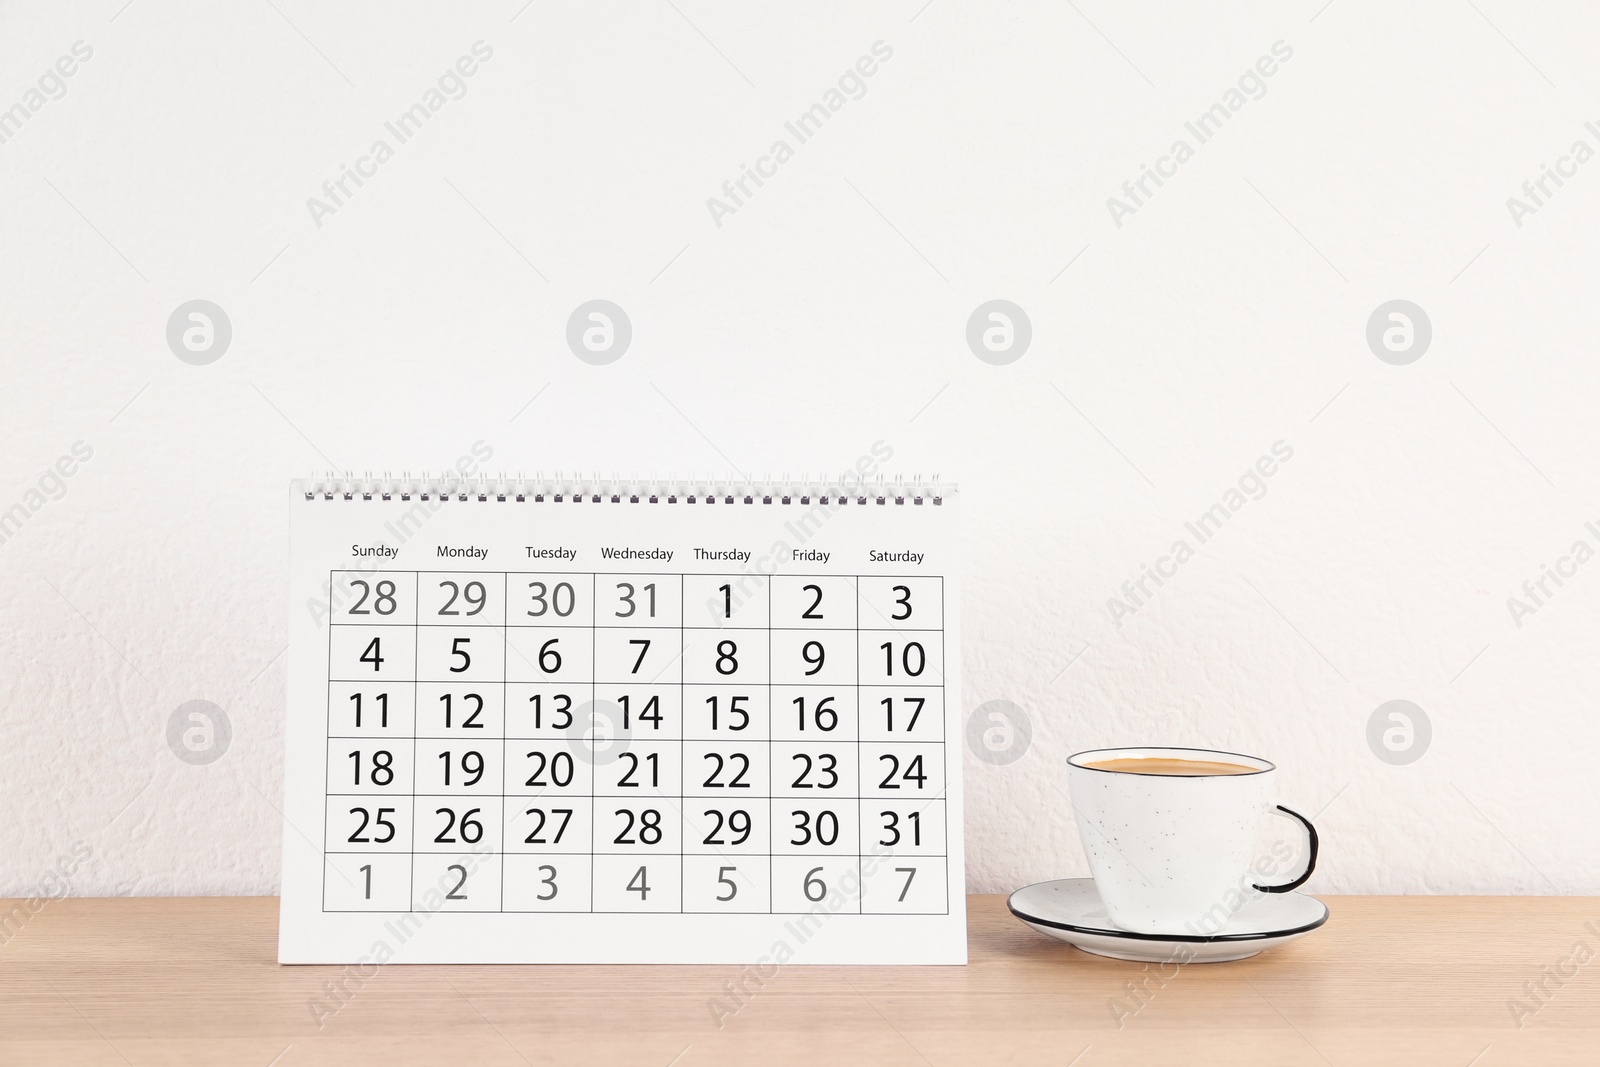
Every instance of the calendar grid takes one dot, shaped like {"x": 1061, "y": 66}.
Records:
{"x": 416, "y": 710}
{"x": 683, "y": 720}
{"x": 860, "y": 845}
{"x": 944, "y": 749}
{"x": 772, "y": 730}
{"x": 505, "y": 721}
{"x": 594, "y": 694}
{"x": 834, "y": 654}
{"x": 327, "y": 772}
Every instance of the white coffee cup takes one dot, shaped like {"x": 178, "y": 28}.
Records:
{"x": 1177, "y": 853}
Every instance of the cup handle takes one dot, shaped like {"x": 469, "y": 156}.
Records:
{"x": 1311, "y": 853}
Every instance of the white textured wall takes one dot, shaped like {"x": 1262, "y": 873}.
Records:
{"x": 829, "y": 312}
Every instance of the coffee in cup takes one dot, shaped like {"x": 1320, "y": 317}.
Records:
{"x": 1172, "y": 834}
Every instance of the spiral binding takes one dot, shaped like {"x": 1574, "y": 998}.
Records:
{"x": 560, "y": 489}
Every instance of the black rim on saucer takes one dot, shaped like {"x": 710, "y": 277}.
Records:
{"x": 1129, "y": 935}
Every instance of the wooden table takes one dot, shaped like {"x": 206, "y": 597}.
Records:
{"x": 1402, "y": 980}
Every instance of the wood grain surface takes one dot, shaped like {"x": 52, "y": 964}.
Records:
{"x": 1389, "y": 980}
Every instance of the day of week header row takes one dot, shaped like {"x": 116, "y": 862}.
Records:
{"x": 664, "y": 555}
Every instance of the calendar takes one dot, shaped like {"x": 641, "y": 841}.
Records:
{"x": 535, "y": 721}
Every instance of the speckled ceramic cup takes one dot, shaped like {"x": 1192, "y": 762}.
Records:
{"x": 1178, "y": 853}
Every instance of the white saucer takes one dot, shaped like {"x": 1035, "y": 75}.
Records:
{"x": 1070, "y": 909}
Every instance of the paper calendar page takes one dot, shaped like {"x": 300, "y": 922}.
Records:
{"x": 584, "y": 724}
